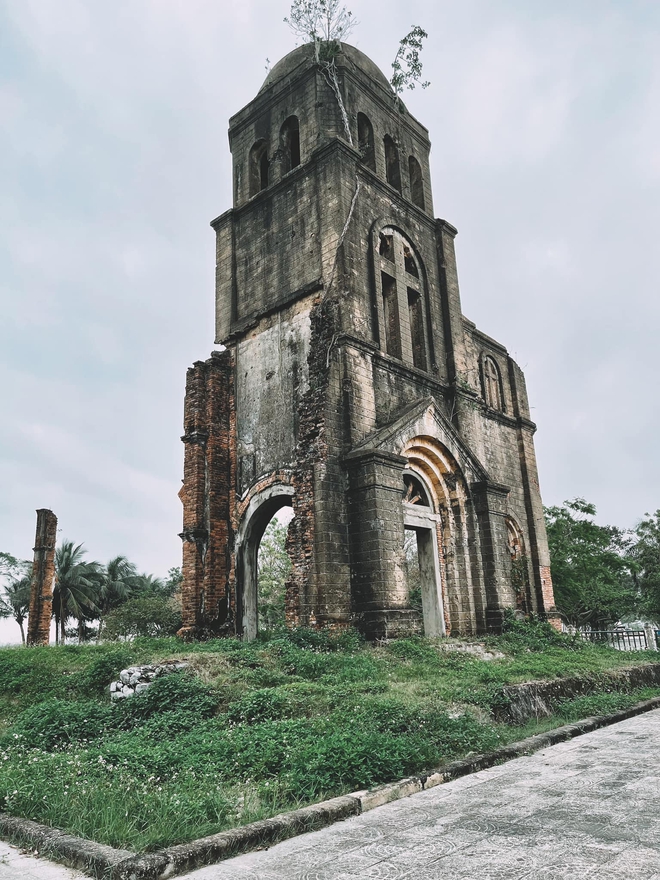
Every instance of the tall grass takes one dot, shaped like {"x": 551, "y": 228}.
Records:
{"x": 253, "y": 729}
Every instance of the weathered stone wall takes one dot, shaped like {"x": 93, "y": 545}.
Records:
{"x": 334, "y": 338}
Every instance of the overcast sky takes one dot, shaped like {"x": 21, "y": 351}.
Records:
{"x": 545, "y": 123}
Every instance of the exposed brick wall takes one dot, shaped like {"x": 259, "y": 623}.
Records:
{"x": 207, "y": 494}
{"x": 311, "y": 453}
{"x": 43, "y": 577}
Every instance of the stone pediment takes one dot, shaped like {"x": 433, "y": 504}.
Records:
{"x": 423, "y": 418}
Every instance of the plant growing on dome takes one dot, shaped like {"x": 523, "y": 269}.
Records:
{"x": 407, "y": 66}
{"x": 316, "y": 21}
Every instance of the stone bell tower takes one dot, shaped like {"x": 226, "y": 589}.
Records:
{"x": 350, "y": 386}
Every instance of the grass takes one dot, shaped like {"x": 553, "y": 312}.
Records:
{"x": 258, "y": 728}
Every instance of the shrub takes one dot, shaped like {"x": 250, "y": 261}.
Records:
{"x": 105, "y": 669}
{"x": 143, "y": 616}
{"x": 177, "y": 692}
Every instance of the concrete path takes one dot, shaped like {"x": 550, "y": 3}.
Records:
{"x": 15, "y": 864}
{"x": 586, "y": 808}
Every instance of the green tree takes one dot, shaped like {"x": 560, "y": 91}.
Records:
{"x": 645, "y": 558}
{"x": 150, "y": 585}
{"x": 15, "y": 596}
{"x": 273, "y": 567}
{"x": 9, "y": 565}
{"x": 143, "y": 615}
{"x": 78, "y": 588}
{"x": 173, "y": 581}
{"x": 407, "y": 65}
{"x": 118, "y": 581}
{"x": 589, "y": 565}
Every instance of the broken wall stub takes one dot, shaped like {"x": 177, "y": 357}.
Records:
{"x": 43, "y": 579}
{"x": 349, "y": 369}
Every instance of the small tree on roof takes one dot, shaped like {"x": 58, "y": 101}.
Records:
{"x": 407, "y": 65}
{"x": 320, "y": 20}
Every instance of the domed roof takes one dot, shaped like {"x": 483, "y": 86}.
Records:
{"x": 349, "y": 56}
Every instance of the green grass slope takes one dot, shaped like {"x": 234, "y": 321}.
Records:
{"x": 253, "y": 729}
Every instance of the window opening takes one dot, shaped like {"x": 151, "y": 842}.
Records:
{"x": 366, "y": 141}
{"x": 391, "y": 313}
{"x": 409, "y": 262}
{"x": 405, "y": 331}
{"x": 290, "y": 143}
{"x": 386, "y": 247}
{"x": 416, "y": 313}
{"x": 258, "y": 167}
{"x": 415, "y": 493}
{"x": 392, "y": 169}
{"x": 413, "y": 570}
{"x": 416, "y": 182}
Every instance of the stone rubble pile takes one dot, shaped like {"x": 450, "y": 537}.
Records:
{"x": 137, "y": 679}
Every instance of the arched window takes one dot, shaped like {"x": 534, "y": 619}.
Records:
{"x": 416, "y": 182}
{"x": 415, "y": 491}
{"x": 366, "y": 141}
{"x": 392, "y": 169}
{"x": 258, "y": 167}
{"x": 290, "y": 144}
{"x": 403, "y": 309}
{"x": 492, "y": 383}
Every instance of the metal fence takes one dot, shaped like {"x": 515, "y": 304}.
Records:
{"x": 621, "y": 639}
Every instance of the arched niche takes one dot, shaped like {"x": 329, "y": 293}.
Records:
{"x": 366, "y": 141}
{"x": 258, "y": 167}
{"x": 260, "y": 511}
{"x": 290, "y": 144}
{"x": 416, "y": 182}
{"x": 392, "y": 167}
{"x": 491, "y": 382}
{"x": 520, "y": 581}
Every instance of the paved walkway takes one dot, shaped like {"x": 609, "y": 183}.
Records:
{"x": 16, "y": 865}
{"x": 586, "y": 808}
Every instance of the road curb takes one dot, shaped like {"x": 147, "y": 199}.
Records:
{"x": 104, "y": 862}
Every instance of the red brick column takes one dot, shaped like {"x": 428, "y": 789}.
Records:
{"x": 207, "y": 495}
{"x": 43, "y": 577}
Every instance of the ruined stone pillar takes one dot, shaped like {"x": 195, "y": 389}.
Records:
{"x": 490, "y": 506}
{"x": 377, "y": 536}
{"x": 43, "y": 578}
{"x": 206, "y": 495}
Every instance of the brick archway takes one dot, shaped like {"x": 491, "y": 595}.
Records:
{"x": 259, "y": 512}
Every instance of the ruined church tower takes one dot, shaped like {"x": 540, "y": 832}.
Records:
{"x": 351, "y": 387}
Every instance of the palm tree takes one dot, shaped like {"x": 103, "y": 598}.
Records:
{"x": 150, "y": 585}
{"x": 78, "y": 586}
{"x": 119, "y": 580}
{"x": 15, "y": 601}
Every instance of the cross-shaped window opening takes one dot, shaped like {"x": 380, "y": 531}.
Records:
{"x": 402, "y": 312}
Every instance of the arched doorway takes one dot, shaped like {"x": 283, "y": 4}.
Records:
{"x": 422, "y": 553}
{"x": 454, "y": 529}
{"x": 261, "y": 510}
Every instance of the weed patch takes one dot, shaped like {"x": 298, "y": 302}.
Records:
{"x": 249, "y": 730}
